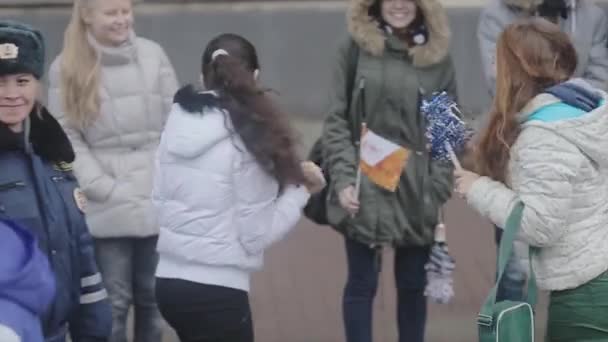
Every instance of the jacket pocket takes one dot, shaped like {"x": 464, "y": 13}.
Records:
{"x": 12, "y": 185}
{"x": 427, "y": 210}
{"x": 431, "y": 209}
{"x": 17, "y": 200}
{"x": 431, "y": 205}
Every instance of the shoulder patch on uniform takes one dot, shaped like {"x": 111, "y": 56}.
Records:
{"x": 80, "y": 199}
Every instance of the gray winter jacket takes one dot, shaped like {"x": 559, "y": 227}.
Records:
{"x": 115, "y": 154}
{"x": 587, "y": 25}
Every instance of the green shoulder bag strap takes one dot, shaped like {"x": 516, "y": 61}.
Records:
{"x": 506, "y": 248}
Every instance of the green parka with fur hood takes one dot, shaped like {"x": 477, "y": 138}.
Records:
{"x": 393, "y": 77}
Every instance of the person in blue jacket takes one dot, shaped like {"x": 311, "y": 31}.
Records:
{"x": 27, "y": 284}
{"x": 39, "y": 191}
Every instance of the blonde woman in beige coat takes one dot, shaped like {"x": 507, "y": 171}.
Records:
{"x": 112, "y": 90}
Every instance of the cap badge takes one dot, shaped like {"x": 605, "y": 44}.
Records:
{"x": 9, "y": 51}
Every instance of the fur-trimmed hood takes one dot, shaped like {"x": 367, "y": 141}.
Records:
{"x": 46, "y": 136}
{"x": 198, "y": 109}
{"x": 365, "y": 31}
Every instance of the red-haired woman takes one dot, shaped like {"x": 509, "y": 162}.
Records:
{"x": 545, "y": 146}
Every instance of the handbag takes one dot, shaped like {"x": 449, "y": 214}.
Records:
{"x": 316, "y": 207}
{"x": 508, "y": 321}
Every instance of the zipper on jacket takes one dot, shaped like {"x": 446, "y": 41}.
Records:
{"x": 362, "y": 109}
{"x": 12, "y": 185}
{"x": 423, "y": 153}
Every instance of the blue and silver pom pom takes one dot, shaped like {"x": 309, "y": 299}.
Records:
{"x": 445, "y": 129}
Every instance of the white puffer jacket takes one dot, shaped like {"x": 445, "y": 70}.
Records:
{"x": 115, "y": 154}
{"x": 218, "y": 209}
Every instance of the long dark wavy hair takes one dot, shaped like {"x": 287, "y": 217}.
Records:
{"x": 262, "y": 127}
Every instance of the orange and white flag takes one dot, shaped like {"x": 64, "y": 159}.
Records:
{"x": 381, "y": 160}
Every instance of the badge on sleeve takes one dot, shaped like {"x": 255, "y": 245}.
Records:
{"x": 80, "y": 199}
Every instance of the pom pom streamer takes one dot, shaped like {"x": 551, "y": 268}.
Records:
{"x": 439, "y": 269}
{"x": 446, "y": 132}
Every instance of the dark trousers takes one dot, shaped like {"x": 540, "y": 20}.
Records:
{"x": 362, "y": 283}
{"x": 205, "y": 313}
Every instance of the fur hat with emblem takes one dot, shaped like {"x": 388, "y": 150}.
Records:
{"x": 21, "y": 49}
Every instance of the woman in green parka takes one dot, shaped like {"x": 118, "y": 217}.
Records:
{"x": 396, "y": 55}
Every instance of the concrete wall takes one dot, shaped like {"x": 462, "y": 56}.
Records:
{"x": 296, "y": 42}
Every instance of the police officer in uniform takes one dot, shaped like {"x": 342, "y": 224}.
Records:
{"x": 39, "y": 191}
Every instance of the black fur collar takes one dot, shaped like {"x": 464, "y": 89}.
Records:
{"x": 193, "y": 100}
{"x": 48, "y": 139}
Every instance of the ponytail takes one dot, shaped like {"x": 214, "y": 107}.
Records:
{"x": 262, "y": 127}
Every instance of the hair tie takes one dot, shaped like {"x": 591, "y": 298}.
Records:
{"x": 219, "y": 52}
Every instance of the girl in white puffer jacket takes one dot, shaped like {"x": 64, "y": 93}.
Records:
{"x": 228, "y": 184}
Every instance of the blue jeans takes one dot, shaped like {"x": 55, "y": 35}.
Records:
{"x": 514, "y": 279}
{"x": 362, "y": 283}
{"x": 128, "y": 266}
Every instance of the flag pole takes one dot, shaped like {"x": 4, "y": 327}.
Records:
{"x": 358, "y": 183}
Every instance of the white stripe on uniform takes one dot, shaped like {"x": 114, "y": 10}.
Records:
{"x": 93, "y": 297}
{"x": 90, "y": 280}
